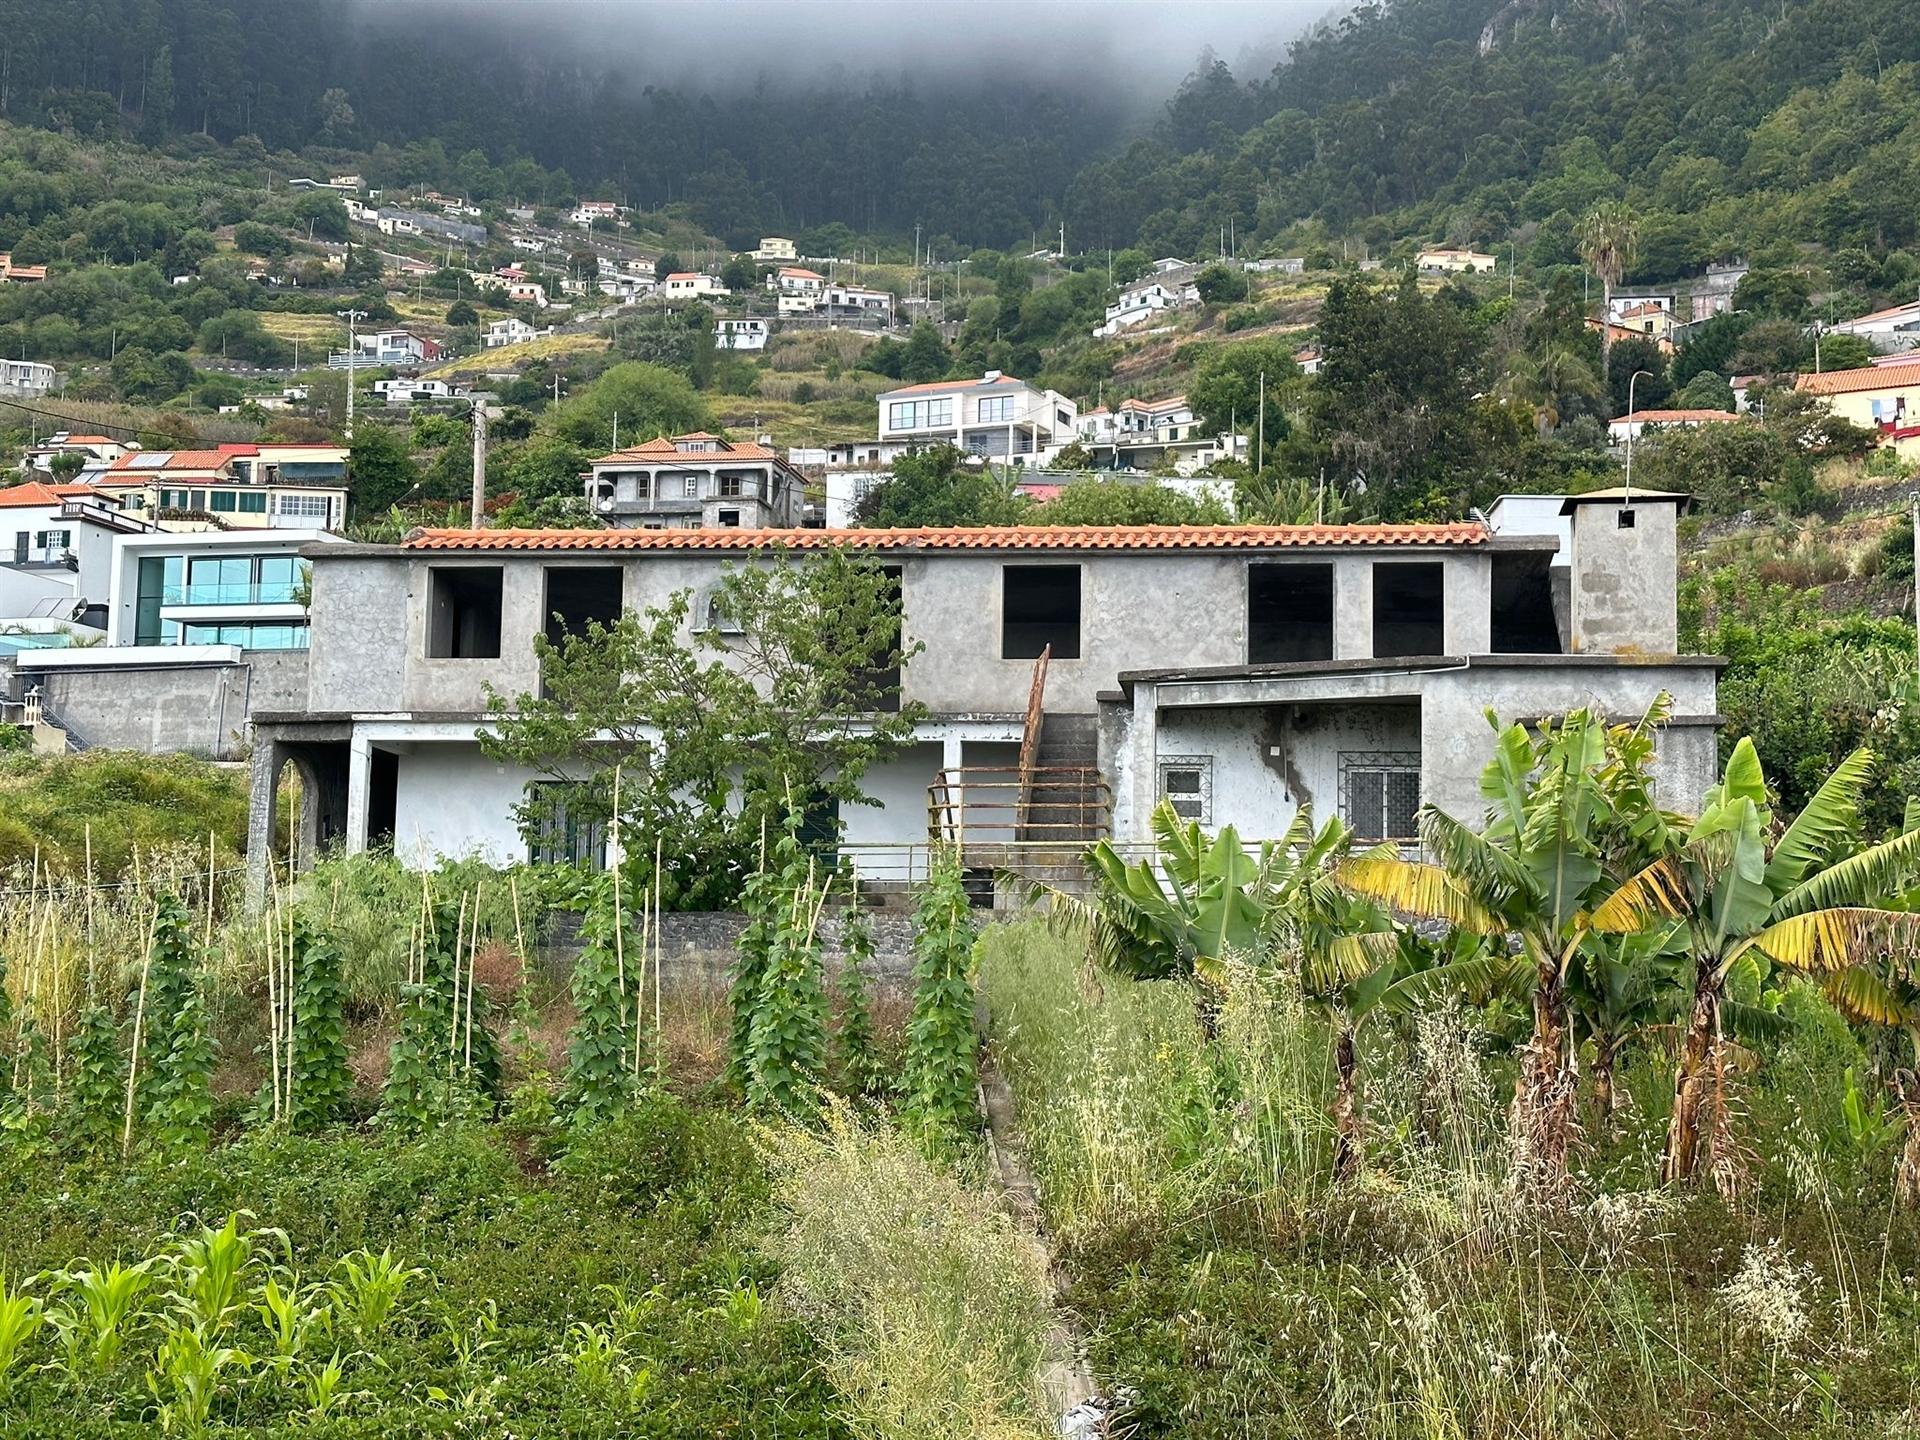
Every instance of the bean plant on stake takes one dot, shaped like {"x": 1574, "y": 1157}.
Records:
{"x": 854, "y": 1048}
{"x": 788, "y": 1038}
{"x": 599, "y": 1079}
{"x": 940, "y": 1073}
{"x": 322, "y": 1082}
{"x": 98, "y": 1080}
{"x": 445, "y": 1061}
{"x": 760, "y": 903}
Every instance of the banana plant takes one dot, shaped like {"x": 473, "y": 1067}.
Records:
{"x": 1566, "y": 803}
{"x": 1811, "y": 901}
{"x": 1884, "y": 994}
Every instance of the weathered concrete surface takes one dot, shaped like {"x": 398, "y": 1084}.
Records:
{"x": 697, "y": 947}
{"x": 203, "y": 710}
{"x": 1624, "y": 577}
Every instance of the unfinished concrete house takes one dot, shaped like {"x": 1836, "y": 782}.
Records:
{"x": 1073, "y": 677}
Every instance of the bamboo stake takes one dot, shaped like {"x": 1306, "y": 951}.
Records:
{"x": 519, "y": 931}
{"x": 619, "y": 913}
{"x": 273, "y": 1008}
{"x": 640, "y": 990}
{"x": 473, "y": 952}
{"x": 453, "y": 1033}
{"x": 292, "y": 1013}
{"x": 90, "y": 950}
{"x": 658, "y": 955}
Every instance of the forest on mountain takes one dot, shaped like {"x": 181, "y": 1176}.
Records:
{"x": 1728, "y": 124}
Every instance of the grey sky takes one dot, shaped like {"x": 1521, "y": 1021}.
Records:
{"x": 702, "y": 42}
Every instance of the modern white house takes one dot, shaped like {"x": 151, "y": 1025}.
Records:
{"x": 775, "y": 250}
{"x": 1897, "y": 328}
{"x": 587, "y": 211}
{"x": 843, "y": 302}
{"x": 511, "y": 331}
{"x": 1140, "y": 302}
{"x": 996, "y": 416}
{"x": 56, "y": 552}
{"x": 93, "y": 450}
{"x": 401, "y": 391}
{"x": 742, "y": 332}
{"x": 799, "y": 290}
{"x": 25, "y": 377}
{"x": 1241, "y": 673}
{"x": 691, "y": 285}
{"x": 1147, "y": 434}
{"x": 1444, "y": 261}
{"x": 246, "y": 589}
{"x": 373, "y": 349}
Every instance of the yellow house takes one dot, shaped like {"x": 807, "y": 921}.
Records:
{"x": 1885, "y": 398}
{"x": 234, "y": 487}
{"x": 775, "y": 248}
{"x": 1648, "y": 319}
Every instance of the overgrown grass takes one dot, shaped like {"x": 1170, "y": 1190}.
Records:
{"x": 930, "y": 1304}
{"x": 117, "y": 803}
{"x": 1235, "y": 1290}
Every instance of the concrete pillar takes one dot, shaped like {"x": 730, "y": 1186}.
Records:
{"x": 1469, "y": 599}
{"x": 1352, "y": 608}
{"x": 1143, "y": 763}
{"x": 359, "y": 791}
{"x": 263, "y": 777}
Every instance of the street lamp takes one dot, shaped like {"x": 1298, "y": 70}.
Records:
{"x": 352, "y": 356}
{"x": 1632, "y": 426}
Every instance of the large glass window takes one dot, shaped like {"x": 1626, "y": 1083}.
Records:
{"x": 217, "y": 580}
{"x": 253, "y": 502}
{"x": 225, "y": 502}
{"x": 158, "y": 576}
{"x": 249, "y": 634}
{"x": 996, "y": 408}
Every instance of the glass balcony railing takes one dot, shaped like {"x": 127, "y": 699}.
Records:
{"x": 276, "y": 593}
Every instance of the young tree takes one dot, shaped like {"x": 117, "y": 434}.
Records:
{"x": 940, "y": 487}
{"x": 1226, "y": 390}
{"x": 782, "y": 683}
{"x": 926, "y": 356}
{"x": 740, "y": 273}
{"x": 380, "y": 469}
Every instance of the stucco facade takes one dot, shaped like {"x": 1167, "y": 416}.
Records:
{"x": 1346, "y": 668}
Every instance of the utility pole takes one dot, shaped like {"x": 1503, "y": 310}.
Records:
{"x": 479, "y": 516}
{"x": 1632, "y": 425}
{"x": 1260, "y": 439}
{"x": 353, "y": 354}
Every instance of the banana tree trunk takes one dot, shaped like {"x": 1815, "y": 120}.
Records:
{"x": 1606, "y": 1058}
{"x": 1906, "y": 1176}
{"x": 1692, "y": 1076}
{"x": 1346, "y": 1108}
{"x": 1546, "y": 1097}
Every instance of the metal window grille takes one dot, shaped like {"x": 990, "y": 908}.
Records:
{"x": 1380, "y": 793}
{"x": 1186, "y": 782}
{"x": 561, "y": 837}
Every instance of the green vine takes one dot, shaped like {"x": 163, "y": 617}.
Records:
{"x": 322, "y": 1083}
{"x": 788, "y": 1035}
{"x": 939, "y": 1077}
{"x": 440, "y": 1067}
{"x": 176, "y": 1051}
{"x": 99, "y": 1078}
{"x": 599, "y": 1081}
{"x": 760, "y": 902}
{"x": 855, "y": 1051}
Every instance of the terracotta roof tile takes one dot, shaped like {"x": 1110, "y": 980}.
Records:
{"x": 1849, "y": 382}
{"x": 39, "y": 492}
{"x": 1675, "y": 417}
{"x": 1012, "y": 537}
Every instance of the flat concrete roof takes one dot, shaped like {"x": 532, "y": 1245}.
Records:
{"x": 1294, "y": 668}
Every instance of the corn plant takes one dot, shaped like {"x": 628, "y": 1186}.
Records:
{"x": 599, "y": 1078}
{"x": 367, "y": 1288}
{"x": 854, "y": 1047}
{"x": 104, "y": 1304}
{"x": 290, "y": 1312}
{"x": 939, "y": 1075}
{"x": 97, "y": 1081}
{"x": 185, "y": 1378}
{"x": 21, "y": 1316}
{"x": 788, "y": 1037}
{"x": 322, "y": 1082}
{"x": 319, "y": 1387}
{"x": 210, "y": 1273}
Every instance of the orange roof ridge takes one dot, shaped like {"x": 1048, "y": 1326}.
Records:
{"x": 1002, "y": 537}
{"x": 1873, "y": 377}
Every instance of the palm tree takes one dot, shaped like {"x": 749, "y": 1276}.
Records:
{"x": 1609, "y": 239}
{"x": 1567, "y": 803}
{"x": 1806, "y": 903}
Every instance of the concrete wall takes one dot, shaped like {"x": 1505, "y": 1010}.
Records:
{"x": 1138, "y": 612}
{"x": 164, "y": 707}
{"x": 1454, "y": 740}
{"x": 1624, "y": 579}
{"x": 1270, "y": 761}
{"x": 697, "y": 948}
{"x": 451, "y": 801}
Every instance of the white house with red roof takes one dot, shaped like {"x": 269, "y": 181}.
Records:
{"x": 1894, "y": 329}
{"x": 1066, "y": 680}
{"x": 995, "y": 416}
{"x": 695, "y": 482}
{"x": 691, "y": 285}
{"x": 93, "y": 450}
{"x": 799, "y": 290}
{"x": 1632, "y": 426}
{"x": 56, "y": 552}
{"x": 1150, "y": 434}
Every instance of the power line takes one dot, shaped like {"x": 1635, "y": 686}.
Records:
{"x": 135, "y": 431}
